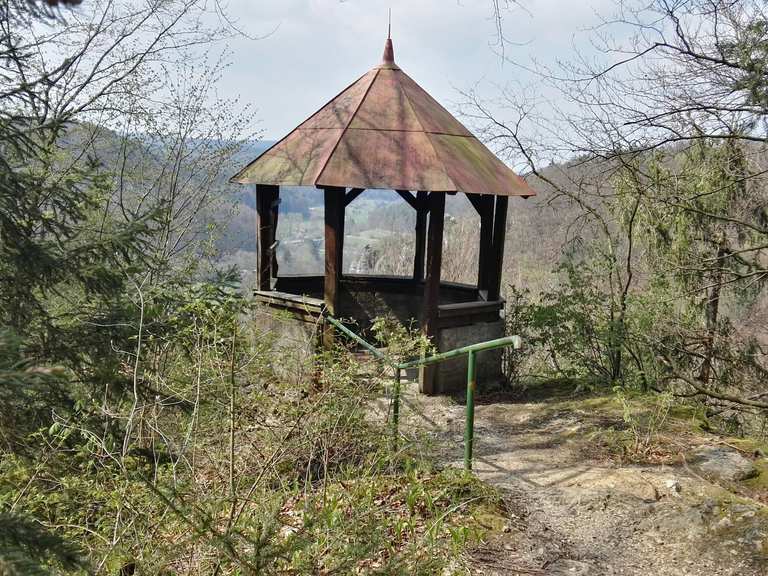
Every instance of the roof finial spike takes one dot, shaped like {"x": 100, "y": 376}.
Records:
{"x": 389, "y": 51}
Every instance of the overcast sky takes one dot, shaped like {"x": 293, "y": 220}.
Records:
{"x": 315, "y": 48}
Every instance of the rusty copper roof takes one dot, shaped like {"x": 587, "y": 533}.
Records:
{"x": 384, "y": 131}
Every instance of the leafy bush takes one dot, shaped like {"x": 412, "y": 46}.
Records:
{"x": 219, "y": 466}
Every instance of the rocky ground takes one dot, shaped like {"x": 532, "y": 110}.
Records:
{"x": 590, "y": 491}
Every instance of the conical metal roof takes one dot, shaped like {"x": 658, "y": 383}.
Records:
{"x": 384, "y": 131}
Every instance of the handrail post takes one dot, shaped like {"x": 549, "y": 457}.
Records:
{"x": 471, "y": 352}
{"x": 396, "y": 408}
{"x": 469, "y": 430}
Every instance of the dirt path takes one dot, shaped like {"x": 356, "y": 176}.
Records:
{"x": 569, "y": 514}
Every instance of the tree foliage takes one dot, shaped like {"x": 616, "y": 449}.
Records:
{"x": 660, "y": 130}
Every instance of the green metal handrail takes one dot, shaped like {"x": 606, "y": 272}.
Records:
{"x": 370, "y": 347}
{"x": 471, "y": 352}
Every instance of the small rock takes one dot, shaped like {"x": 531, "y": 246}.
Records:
{"x": 709, "y": 506}
{"x": 722, "y": 463}
{"x": 673, "y": 486}
{"x": 724, "y": 522}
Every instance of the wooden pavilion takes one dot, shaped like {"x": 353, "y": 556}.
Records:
{"x": 385, "y": 132}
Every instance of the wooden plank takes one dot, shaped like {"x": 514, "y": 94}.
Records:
{"x": 334, "y": 215}
{"x": 352, "y": 194}
{"x": 467, "y": 319}
{"x": 468, "y": 313}
{"x": 436, "y": 203}
{"x": 448, "y": 310}
{"x": 421, "y": 236}
{"x": 499, "y": 234}
{"x": 265, "y": 234}
{"x": 485, "y": 255}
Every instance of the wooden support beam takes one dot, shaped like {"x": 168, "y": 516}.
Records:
{"x": 421, "y": 236}
{"x": 342, "y": 227}
{"x": 408, "y": 197}
{"x": 274, "y": 212}
{"x": 477, "y": 201}
{"x": 484, "y": 206}
{"x": 334, "y": 229}
{"x": 352, "y": 194}
{"x": 262, "y": 238}
{"x": 499, "y": 235}
{"x": 436, "y": 203}
{"x": 267, "y": 199}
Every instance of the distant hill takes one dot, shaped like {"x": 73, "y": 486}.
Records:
{"x": 535, "y": 226}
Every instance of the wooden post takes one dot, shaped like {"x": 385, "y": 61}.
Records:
{"x": 499, "y": 235}
{"x": 436, "y": 203}
{"x": 334, "y": 226}
{"x": 266, "y": 224}
{"x": 342, "y": 225}
{"x": 274, "y": 211}
{"x": 421, "y": 236}
{"x": 485, "y": 255}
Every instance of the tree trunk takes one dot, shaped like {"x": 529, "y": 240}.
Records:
{"x": 711, "y": 312}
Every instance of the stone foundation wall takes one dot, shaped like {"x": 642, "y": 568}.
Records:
{"x": 365, "y": 305}
{"x": 293, "y": 341}
{"x": 452, "y": 374}
{"x": 364, "y": 299}
{"x": 292, "y": 322}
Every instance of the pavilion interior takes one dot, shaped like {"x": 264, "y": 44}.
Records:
{"x": 363, "y": 297}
